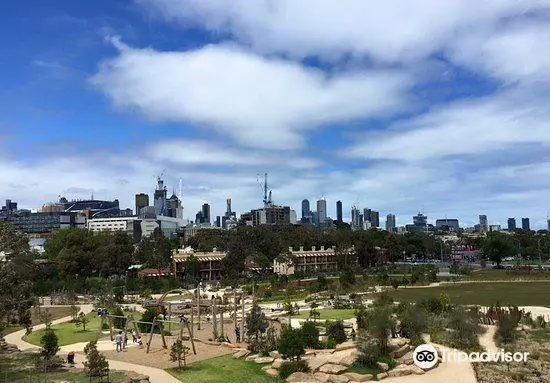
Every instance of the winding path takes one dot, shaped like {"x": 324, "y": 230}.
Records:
{"x": 156, "y": 375}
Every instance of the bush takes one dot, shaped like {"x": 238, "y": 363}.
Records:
{"x": 148, "y": 316}
{"x": 465, "y": 330}
{"x": 336, "y": 332}
{"x": 432, "y": 305}
{"x": 416, "y": 340}
{"x": 291, "y": 344}
{"x": 328, "y": 345}
{"x": 413, "y": 321}
{"x": 369, "y": 353}
{"x": 310, "y": 335}
{"x": 506, "y": 329}
{"x": 288, "y": 368}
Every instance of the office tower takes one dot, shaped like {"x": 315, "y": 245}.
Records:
{"x": 305, "y": 209}
{"x": 390, "y": 223}
{"x": 228, "y": 203}
{"x": 525, "y": 224}
{"x": 366, "y": 214}
{"x": 160, "y": 197}
{"x": 205, "y": 213}
{"x": 548, "y": 225}
{"x": 374, "y": 218}
{"x": 142, "y": 200}
{"x": 355, "y": 218}
{"x": 322, "y": 211}
{"x": 511, "y": 224}
{"x": 339, "y": 211}
{"x": 483, "y": 224}
{"x": 218, "y": 221}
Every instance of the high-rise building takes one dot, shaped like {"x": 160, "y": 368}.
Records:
{"x": 339, "y": 211}
{"x": 160, "y": 197}
{"x": 142, "y": 200}
{"x": 173, "y": 207}
{"x": 525, "y": 225}
{"x": 374, "y": 218}
{"x": 218, "y": 221}
{"x": 205, "y": 213}
{"x": 355, "y": 218}
{"x": 322, "y": 211}
{"x": 483, "y": 223}
{"x": 305, "y": 209}
{"x": 447, "y": 224}
{"x": 390, "y": 223}
{"x": 511, "y": 224}
{"x": 548, "y": 225}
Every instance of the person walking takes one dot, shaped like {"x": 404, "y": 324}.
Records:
{"x": 118, "y": 341}
{"x": 134, "y": 336}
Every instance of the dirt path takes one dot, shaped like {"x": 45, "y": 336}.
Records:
{"x": 487, "y": 340}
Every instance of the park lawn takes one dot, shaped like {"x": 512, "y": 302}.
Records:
{"x": 484, "y": 294}
{"x": 68, "y": 333}
{"x": 15, "y": 369}
{"x": 540, "y": 335}
{"x": 506, "y": 275}
{"x": 331, "y": 314}
{"x": 223, "y": 369}
{"x": 55, "y": 312}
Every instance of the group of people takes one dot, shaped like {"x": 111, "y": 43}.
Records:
{"x": 121, "y": 340}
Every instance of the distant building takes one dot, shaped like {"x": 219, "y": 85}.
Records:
{"x": 9, "y": 206}
{"x": 203, "y": 215}
{"x": 420, "y": 224}
{"x": 306, "y": 212}
{"x": 494, "y": 228}
{"x": 525, "y": 225}
{"x": 137, "y": 227}
{"x": 339, "y": 212}
{"x": 356, "y": 219}
{"x": 209, "y": 263}
{"x": 308, "y": 262}
{"x": 160, "y": 197}
{"x": 511, "y": 224}
{"x": 293, "y": 217}
{"x": 374, "y": 218}
{"x": 390, "y": 223}
{"x": 446, "y": 224}
{"x": 218, "y": 221}
{"x": 322, "y": 211}
{"x": 548, "y": 225}
{"x": 483, "y": 224}
{"x": 42, "y": 223}
{"x": 142, "y": 200}
{"x": 191, "y": 231}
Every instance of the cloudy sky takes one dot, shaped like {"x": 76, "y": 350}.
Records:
{"x": 399, "y": 106}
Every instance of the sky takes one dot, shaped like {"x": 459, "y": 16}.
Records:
{"x": 438, "y": 107}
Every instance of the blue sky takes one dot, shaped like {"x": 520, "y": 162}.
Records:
{"x": 397, "y": 106}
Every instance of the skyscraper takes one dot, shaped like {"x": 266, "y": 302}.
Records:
{"x": 206, "y": 213}
{"x": 142, "y": 200}
{"x": 511, "y": 224}
{"x": 525, "y": 225}
{"x": 160, "y": 197}
{"x": 548, "y": 225}
{"x": 390, "y": 223}
{"x": 339, "y": 211}
{"x": 355, "y": 218}
{"x": 374, "y": 218}
{"x": 305, "y": 209}
{"x": 483, "y": 224}
{"x": 322, "y": 211}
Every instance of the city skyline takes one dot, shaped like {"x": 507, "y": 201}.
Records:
{"x": 99, "y": 99}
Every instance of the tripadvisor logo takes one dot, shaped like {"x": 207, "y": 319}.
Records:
{"x": 425, "y": 356}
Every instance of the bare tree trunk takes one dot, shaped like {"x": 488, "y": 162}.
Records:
{"x": 214, "y": 319}
{"x": 242, "y": 319}
{"x": 198, "y": 307}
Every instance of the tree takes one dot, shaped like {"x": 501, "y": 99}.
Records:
{"x": 96, "y": 365}
{"x": 497, "y": 247}
{"x": 191, "y": 270}
{"x": 74, "y": 312}
{"x": 256, "y": 322}
{"x": 49, "y": 344}
{"x": 82, "y": 319}
{"x": 310, "y": 335}
{"x": 413, "y": 321}
{"x": 347, "y": 277}
{"x": 291, "y": 344}
{"x": 507, "y": 329}
{"x": 290, "y": 309}
{"x": 380, "y": 325}
{"x": 155, "y": 250}
{"x": 313, "y": 312}
{"x": 179, "y": 352}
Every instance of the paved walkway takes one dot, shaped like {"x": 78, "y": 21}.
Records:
{"x": 155, "y": 375}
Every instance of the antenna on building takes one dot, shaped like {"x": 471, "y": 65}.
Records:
{"x": 180, "y": 191}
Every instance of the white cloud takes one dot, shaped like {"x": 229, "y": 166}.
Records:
{"x": 388, "y": 30}
{"x": 258, "y": 101}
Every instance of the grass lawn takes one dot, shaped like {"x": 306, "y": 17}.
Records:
{"x": 332, "y": 314}
{"x": 485, "y": 294}
{"x": 15, "y": 370}
{"x": 68, "y": 333}
{"x": 55, "y": 312}
{"x": 223, "y": 369}
{"x": 504, "y": 275}
{"x": 540, "y": 335}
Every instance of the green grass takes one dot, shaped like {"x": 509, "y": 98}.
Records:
{"x": 55, "y": 312}
{"x": 540, "y": 335}
{"x": 506, "y": 275}
{"x": 331, "y": 314}
{"x": 485, "y": 294}
{"x": 68, "y": 333}
{"x": 223, "y": 369}
{"x": 16, "y": 370}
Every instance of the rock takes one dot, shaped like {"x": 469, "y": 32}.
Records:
{"x": 241, "y": 354}
{"x": 348, "y": 360}
{"x": 264, "y": 359}
{"x": 338, "y": 379}
{"x": 382, "y": 375}
{"x": 334, "y": 369}
{"x": 355, "y": 377}
{"x": 300, "y": 377}
{"x": 272, "y": 372}
{"x": 277, "y": 363}
{"x": 401, "y": 370}
{"x": 401, "y": 351}
{"x": 383, "y": 366}
{"x": 325, "y": 351}
{"x": 251, "y": 358}
{"x": 406, "y": 359}
{"x": 416, "y": 370}
{"x": 321, "y": 377}
{"x": 345, "y": 346}
{"x": 274, "y": 354}
{"x": 316, "y": 363}
{"x": 397, "y": 343}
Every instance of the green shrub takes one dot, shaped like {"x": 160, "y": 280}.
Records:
{"x": 288, "y": 368}
{"x": 506, "y": 329}
{"x": 369, "y": 354}
{"x": 310, "y": 335}
{"x": 336, "y": 332}
{"x": 291, "y": 344}
{"x": 413, "y": 321}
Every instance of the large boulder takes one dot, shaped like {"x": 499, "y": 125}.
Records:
{"x": 382, "y": 375}
{"x": 299, "y": 377}
{"x": 277, "y": 363}
{"x": 401, "y": 351}
{"x": 397, "y": 343}
{"x": 241, "y": 354}
{"x": 345, "y": 346}
{"x": 355, "y": 377}
{"x": 406, "y": 359}
{"x": 252, "y": 358}
{"x": 346, "y": 357}
{"x": 333, "y": 369}
{"x": 382, "y": 366}
{"x": 264, "y": 359}
{"x": 338, "y": 379}
{"x": 401, "y": 370}
{"x": 272, "y": 372}
{"x": 315, "y": 363}
{"x": 322, "y": 377}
